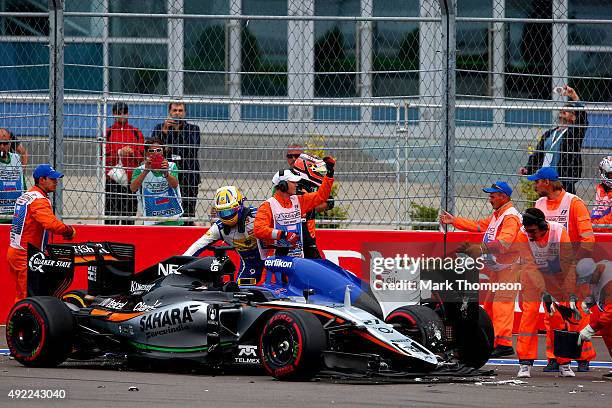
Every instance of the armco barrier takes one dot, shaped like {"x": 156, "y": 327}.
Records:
{"x": 344, "y": 247}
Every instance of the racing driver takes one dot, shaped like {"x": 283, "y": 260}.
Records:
{"x": 235, "y": 228}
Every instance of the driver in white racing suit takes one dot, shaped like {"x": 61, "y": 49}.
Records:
{"x": 235, "y": 228}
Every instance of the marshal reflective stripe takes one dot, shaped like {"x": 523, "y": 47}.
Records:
{"x": 490, "y": 235}
{"x": 548, "y": 258}
{"x": 20, "y": 216}
{"x": 561, "y": 214}
{"x": 527, "y": 334}
{"x": 289, "y": 220}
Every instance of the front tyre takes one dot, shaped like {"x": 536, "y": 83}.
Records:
{"x": 291, "y": 345}
{"x": 39, "y": 331}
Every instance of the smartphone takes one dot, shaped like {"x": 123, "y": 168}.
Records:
{"x": 156, "y": 161}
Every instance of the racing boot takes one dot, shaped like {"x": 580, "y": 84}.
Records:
{"x": 552, "y": 366}
{"x": 566, "y": 371}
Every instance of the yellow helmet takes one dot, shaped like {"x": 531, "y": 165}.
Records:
{"x": 228, "y": 203}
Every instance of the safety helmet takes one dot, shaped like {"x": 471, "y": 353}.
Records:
{"x": 605, "y": 167}
{"x": 585, "y": 267}
{"x": 310, "y": 168}
{"x": 228, "y": 203}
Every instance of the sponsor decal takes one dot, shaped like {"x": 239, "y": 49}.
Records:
{"x": 140, "y": 287}
{"x": 278, "y": 263}
{"x": 167, "y": 269}
{"x": 91, "y": 273}
{"x": 168, "y": 317}
{"x": 39, "y": 260}
{"x": 143, "y": 307}
{"x": 82, "y": 249}
{"x": 214, "y": 265}
{"x": 247, "y": 355}
{"x": 167, "y": 321}
{"x": 113, "y": 304}
{"x": 288, "y": 216}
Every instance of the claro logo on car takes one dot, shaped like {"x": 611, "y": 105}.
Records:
{"x": 167, "y": 321}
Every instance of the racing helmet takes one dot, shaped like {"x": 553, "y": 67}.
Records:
{"x": 605, "y": 168}
{"x": 228, "y": 203}
{"x": 310, "y": 168}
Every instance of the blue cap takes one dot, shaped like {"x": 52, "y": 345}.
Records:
{"x": 545, "y": 173}
{"x": 499, "y": 187}
{"x": 45, "y": 170}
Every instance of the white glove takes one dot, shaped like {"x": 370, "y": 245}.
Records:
{"x": 586, "y": 334}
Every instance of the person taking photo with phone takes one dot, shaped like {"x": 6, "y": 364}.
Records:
{"x": 156, "y": 182}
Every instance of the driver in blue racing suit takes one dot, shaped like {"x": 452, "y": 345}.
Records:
{"x": 235, "y": 228}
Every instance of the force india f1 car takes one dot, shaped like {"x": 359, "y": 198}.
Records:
{"x": 188, "y": 309}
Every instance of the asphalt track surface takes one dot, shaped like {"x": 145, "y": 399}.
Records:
{"x": 108, "y": 385}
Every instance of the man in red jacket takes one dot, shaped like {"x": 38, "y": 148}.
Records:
{"x": 124, "y": 146}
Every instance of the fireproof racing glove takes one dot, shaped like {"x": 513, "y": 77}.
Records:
{"x": 330, "y": 162}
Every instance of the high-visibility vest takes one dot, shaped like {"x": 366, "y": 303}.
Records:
{"x": 491, "y": 234}
{"x": 561, "y": 214}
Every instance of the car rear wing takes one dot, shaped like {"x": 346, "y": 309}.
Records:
{"x": 110, "y": 265}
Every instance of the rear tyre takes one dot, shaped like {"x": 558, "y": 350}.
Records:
{"x": 40, "y": 331}
{"x": 421, "y": 324}
{"x": 475, "y": 341}
{"x": 291, "y": 344}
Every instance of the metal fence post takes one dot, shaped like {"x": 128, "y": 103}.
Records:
{"x": 448, "y": 10}
{"x": 56, "y": 94}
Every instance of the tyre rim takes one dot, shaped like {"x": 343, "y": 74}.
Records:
{"x": 279, "y": 347}
{"x": 27, "y": 332}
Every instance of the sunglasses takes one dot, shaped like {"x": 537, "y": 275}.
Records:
{"x": 293, "y": 156}
{"x": 155, "y": 150}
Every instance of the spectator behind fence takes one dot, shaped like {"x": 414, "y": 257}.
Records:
{"x": 293, "y": 152}
{"x": 124, "y": 152}
{"x": 601, "y": 213}
{"x": 183, "y": 141}
{"x": 16, "y": 146}
{"x": 12, "y": 181}
{"x": 560, "y": 147}
{"x": 157, "y": 184}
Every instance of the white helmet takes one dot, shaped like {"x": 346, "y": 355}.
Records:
{"x": 585, "y": 267}
{"x": 605, "y": 167}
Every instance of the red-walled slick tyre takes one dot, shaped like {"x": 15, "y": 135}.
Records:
{"x": 39, "y": 331}
{"x": 291, "y": 344}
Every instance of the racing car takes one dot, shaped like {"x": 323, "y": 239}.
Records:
{"x": 197, "y": 314}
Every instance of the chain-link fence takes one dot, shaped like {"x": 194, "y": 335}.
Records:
{"x": 422, "y": 102}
